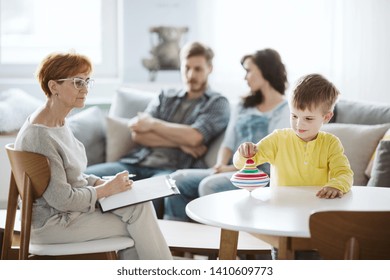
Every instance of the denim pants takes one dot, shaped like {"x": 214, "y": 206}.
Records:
{"x": 193, "y": 183}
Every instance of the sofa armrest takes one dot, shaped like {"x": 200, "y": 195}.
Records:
{"x": 212, "y": 153}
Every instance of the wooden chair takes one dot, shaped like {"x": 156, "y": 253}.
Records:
{"x": 30, "y": 177}
{"x": 351, "y": 234}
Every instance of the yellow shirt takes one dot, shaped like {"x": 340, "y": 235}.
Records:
{"x": 294, "y": 162}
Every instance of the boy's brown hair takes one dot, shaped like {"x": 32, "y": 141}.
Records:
{"x": 314, "y": 91}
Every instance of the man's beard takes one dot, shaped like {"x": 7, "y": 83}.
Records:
{"x": 197, "y": 87}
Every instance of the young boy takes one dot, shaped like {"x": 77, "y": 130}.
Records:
{"x": 303, "y": 155}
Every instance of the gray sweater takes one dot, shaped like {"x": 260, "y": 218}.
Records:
{"x": 70, "y": 191}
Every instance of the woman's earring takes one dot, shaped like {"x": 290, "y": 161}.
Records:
{"x": 56, "y": 94}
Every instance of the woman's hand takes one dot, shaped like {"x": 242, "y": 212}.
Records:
{"x": 221, "y": 168}
{"x": 99, "y": 182}
{"x": 119, "y": 183}
{"x": 195, "y": 152}
{"x": 247, "y": 149}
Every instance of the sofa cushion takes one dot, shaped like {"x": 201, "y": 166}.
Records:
{"x": 15, "y": 106}
{"x": 348, "y": 111}
{"x": 359, "y": 143}
{"x": 88, "y": 127}
{"x": 371, "y": 162}
{"x": 380, "y": 175}
{"x": 128, "y": 102}
{"x": 119, "y": 141}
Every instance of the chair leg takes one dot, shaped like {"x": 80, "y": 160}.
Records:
{"x": 8, "y": 234}
{"x": 27, "y": 201}
{"x": 352, "y": 249}
{"x": 111, "y": 255}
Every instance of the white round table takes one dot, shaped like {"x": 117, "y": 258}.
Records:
{"x": 279, "y": 215}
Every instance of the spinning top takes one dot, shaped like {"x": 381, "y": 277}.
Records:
{"x": 249, "y": 177}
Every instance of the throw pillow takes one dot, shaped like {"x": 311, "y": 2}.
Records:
{"x": 88, "y": 127}
{"x": 128, "y": 102}
{"x": 381, "y": 166}
{"x": 119, "y": 141}
{"x": 359, "y": 143}
{"x": 15, "y": 106}
{"x": 370, "y": 164}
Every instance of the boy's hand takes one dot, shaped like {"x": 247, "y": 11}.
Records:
{"x": 329, "y": 192}
{"x": 247, "y": 149}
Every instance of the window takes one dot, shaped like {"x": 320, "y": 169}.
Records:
{"x": 29, "y": 30}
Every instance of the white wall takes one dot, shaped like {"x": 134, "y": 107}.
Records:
{"x": 365, "y": 50}
{"x": 300, "y": 37}
{"x": 346, "y": 40}
{"x": 134, "y": 43}
{"x": 138, "y": 17}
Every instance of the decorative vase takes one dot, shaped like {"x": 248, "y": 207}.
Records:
{"x": 249, "y": 177}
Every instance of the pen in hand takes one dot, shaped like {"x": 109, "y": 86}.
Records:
{"x": 111, "y": 177}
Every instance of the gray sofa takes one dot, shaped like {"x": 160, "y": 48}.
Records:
{"x": 360, "y": 127}
{"x": 106, "y": 137}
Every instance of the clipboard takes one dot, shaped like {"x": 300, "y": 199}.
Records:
{"x": 142, "y": 191}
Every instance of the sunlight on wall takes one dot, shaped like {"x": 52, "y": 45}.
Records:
{"x": 339, "y": 39}
{"x": 303, "y": 39}
{"x": 29, "y": 32}
{"x": 346, "y": 40}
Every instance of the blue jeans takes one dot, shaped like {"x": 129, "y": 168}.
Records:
{"x": 193, "y": 183}
{"x": 142, "y": 172}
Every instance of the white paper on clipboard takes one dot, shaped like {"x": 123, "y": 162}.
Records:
{"x": 142, "y": 190}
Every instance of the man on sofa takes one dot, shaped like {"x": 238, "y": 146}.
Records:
{"x": 176, "y": 128}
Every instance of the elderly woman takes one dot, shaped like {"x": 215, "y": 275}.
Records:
{"x": 66, "y": 212}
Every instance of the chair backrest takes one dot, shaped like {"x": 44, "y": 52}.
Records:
{"x": 30, "y": 177}
{"x": 351, "y": 234}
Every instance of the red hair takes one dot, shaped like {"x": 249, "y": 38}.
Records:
{"x": 57, "y": 66}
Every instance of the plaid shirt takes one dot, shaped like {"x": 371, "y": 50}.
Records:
{"x": 210, "y": 117}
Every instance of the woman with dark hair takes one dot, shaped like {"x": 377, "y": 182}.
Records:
{"x": 264, "y": 109}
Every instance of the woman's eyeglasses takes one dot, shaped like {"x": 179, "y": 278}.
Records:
{"x": 79, "y": 83}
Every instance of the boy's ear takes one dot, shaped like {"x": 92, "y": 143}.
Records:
{"x": 328, "y": 116}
